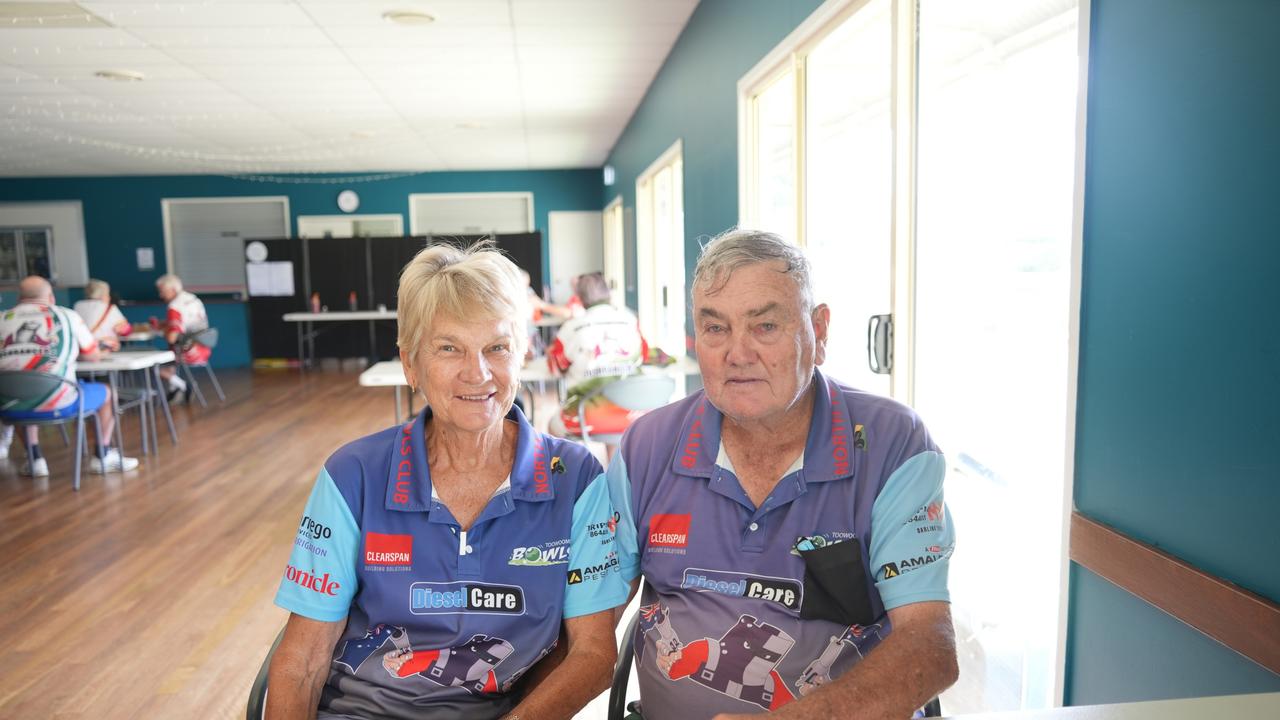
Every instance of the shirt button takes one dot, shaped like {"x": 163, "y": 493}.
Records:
{"x": 753, "y": 527}
{"x": 470, "y": 549}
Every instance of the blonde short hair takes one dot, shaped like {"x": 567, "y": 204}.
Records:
{"x": 97, "y": 290}
{"x": 479, "y": 282}
{"x": 169, "y": 281}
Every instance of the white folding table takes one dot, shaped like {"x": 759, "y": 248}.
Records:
{"x": 149, "y": 362}
{"x": 307, "y": 332}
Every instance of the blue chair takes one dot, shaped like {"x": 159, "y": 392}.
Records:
{"x": 209, "y": 338}
{"x": 27, "y": 388}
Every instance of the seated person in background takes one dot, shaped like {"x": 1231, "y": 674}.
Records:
{"x": 186, "y": 315}
{"x": 39, "y": 335}
{"x": 537, "y": 309}
{"x": 104, "y": 319}
{"x": 429, "y": 576}
{"x": 595, "y": 349}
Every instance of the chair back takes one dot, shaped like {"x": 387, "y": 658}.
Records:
{"x": 207, "y": 337}
{"x": 642, "y": 391}
{"x": 25, "y": 389}
{"x": 622, "y": 671}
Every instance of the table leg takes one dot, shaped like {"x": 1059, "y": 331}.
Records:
{"x": 151, "y": 411}
{"x": 144, "y": 403}
{"x": 115, "y": 411}
{"x": 164, "y": 405}
{"x": 302, "y": 360}
{"x": 373, "y": 345}
{"x": 311, "y": 342}
{"x": 399, "y": 417}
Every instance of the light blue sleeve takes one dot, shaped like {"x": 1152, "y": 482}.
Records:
{"x": 625, "y": 540}
{"x": 593, "y": 582}
{"x": 320, "y": 579}
{"x": 911, "y": 534}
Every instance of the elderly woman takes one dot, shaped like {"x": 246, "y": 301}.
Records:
{"x": 436, "y": 563}
{"x": 104, "y": 319}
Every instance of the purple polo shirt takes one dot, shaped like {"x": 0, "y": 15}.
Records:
{"x": 745, "y": 609}
{"x": 442, "y": 622}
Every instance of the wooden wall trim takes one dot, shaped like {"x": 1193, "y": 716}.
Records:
{"x": 1243, "y": 621}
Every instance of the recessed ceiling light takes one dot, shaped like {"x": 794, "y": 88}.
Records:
{"x": 469, "y": 125}
{"x": 408, "y": 17}
{"x": 120, "y": 75}
{"x": 363, "y": 134}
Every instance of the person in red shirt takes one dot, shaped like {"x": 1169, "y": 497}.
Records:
{"x": 186, "y": 315}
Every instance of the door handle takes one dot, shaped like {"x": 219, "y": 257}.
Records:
{"x": 880, "y": 344}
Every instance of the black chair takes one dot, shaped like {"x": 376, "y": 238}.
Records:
{"x": 30, "y": 387}
{"x": 209, "y": 338}
{"x": 257, "y": 705}
{"x": 618, "y": 707}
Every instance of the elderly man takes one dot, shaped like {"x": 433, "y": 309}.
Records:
{"x": 185, "y": 315}
{"x": 37, "y": 334}
{"x": 790, "y": 529}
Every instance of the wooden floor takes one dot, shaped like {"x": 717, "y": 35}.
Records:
{"x": 148, "y": 594}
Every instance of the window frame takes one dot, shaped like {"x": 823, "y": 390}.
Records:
{"x": 19, "y": 236}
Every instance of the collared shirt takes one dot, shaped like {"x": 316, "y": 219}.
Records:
{"x": 48, "y": 338}
{"x": 442, "y": 622}
{"x": 186, "y": 314}
{"x": 736, "y": 610}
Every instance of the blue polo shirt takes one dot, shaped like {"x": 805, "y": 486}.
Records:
{"x": 442, "y": 622}
{"x": 747, "y": 608}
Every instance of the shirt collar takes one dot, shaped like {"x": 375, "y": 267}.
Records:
{"x": 828, "y": 452}
{"x": 409, "y": 479}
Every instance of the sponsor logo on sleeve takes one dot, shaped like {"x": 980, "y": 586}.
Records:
{"x": 319, "y": 584}
{"x": 465, "y": 597}
{"x": 889, "y": 570}
{"x": 669, "y": 531}
{"x": 783, "y": 591}
{"x": 309, "y": 528}
{"x": 593, "y": 572}
{"x": 382, "y": 551}
{"x": 555, "y": 552}
{"x": 928, "y": 518}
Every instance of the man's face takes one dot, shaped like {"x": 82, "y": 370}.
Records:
{"x": 756, "y": 344}
{"x": 167, "y": 293}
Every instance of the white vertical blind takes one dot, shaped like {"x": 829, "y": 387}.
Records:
{"x": 206, "y": 236}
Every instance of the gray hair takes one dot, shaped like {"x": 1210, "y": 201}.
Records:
{"x": 591, "y": 289}
{"x": 169, "y": 281}
{"x": 461, "y": 284}
{"x": 738, "y": 248}
{"x": 97, "y": 290}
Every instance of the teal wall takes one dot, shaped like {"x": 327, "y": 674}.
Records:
{"x": 694, "y": 99}
{"x": 123, "y": 213}
{"x": 1179, "y": 384}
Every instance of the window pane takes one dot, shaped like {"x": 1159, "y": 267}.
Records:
{"x": 35, "y": 250}
{"x": 776, "y": 156}
{"x": 9, "y": 256}
{"x": 995, "y": 175}
{"x": 849, "y": 185}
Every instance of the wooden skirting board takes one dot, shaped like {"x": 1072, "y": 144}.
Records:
{"x": 1243, "y": 621}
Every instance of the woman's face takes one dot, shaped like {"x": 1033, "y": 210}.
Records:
{"x": 468, "y": 371}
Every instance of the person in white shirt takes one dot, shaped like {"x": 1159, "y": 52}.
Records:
{"x": 599, "y": 346}
{"x": 186, "y": 315}
{"x": 104, "y": 319}
{"x": 37, "y": 334}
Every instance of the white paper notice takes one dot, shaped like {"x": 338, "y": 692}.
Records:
{"x": 146, "y": 258}
{"x": 270, "y": 278}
